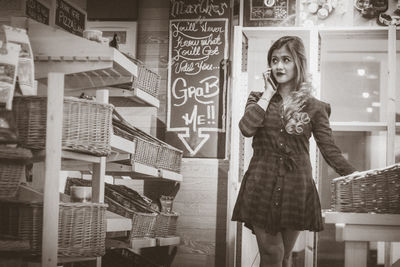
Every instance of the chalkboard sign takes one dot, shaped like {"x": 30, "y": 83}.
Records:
{"x": 195, "y": 9}
{"x": 70, "y": 18}
{"x": 196, "y": 85}
{"x": 270, "y": 13}
{"x": 37, "y": 11}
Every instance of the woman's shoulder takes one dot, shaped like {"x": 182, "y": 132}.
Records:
{"x": 315, "y": 105}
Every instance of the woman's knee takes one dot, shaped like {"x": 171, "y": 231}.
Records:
{"x": 273, "y": 253}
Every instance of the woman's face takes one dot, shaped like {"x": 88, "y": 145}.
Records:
{"x": 283, "y": 66}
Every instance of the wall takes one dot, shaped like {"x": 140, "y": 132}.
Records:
{"x": 202, "y": 197}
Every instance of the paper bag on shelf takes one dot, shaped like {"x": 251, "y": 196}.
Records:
{"x": 26, "y": 71}
{"x": 8, "y": 72}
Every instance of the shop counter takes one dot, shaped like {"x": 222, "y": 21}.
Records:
{"x": 358, "y": 229}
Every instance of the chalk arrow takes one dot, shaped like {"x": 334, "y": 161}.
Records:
{"x": 187, "y": 140}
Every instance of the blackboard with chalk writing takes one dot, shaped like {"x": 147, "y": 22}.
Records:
{"x": 37, "y": 11}
{"x": 70, "y": 18}
{"x": 197, "y": 86}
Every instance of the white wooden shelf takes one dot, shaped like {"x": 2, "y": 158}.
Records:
{"x": 86, "y": 64}
{"x": 359, "y": 126}
{"x": 362, "y": 218}
{"x": 74, "y": 259}
{"x": 168, "y": 241}
{"x": 118, "y": 94}
{"x": 119, "y": 144}
{"x": 117, "y": 223}
{"x": 170, "y": 175}
{"x": 40, "y": 155}
{"x": 142, "y": 171}
{"x": 138, "y": 243}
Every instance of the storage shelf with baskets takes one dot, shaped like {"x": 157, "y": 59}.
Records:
{"x": 138, "y": 96}
{"x": 86, "y": 64}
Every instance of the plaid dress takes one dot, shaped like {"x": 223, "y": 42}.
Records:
{"x": 278, "y": 191}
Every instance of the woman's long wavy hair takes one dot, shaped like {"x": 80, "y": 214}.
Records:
{"x": 294, "y": 103}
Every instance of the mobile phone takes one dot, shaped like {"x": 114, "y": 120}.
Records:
{"x": 267, "y": 77}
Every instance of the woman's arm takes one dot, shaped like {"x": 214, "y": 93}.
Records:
{"x": 323, "y": 136}
{"x": 253, "y": 116}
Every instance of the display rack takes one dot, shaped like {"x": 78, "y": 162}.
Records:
{"x": 118, "y": 94}
{"x": 70, "y": 69}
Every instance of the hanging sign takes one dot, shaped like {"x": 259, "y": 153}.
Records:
{"x": 37, "y": 11}
{"x": 196, "y": 85}
{"x": 70, "y": 18}
{"x": 269, "y": 13}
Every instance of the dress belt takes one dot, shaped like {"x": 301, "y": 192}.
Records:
{"x": 289, "y": 161}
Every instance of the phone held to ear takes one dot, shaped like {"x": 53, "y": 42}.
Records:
{"x": 267, "y": 77}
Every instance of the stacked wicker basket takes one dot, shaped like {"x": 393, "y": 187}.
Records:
{"x": 147, "y": 80}
{"x": 146, "y": 221}
{"x": 86, "y": 129}
{"x": 149, "y": 150}
{"x": 375, "y": 191}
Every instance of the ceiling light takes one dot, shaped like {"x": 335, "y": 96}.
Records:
{"x": 369, "y": 109}
{"x": 376, "y": 104}
{"x": 361, "y": 72}
{"x": 365, "y": 94}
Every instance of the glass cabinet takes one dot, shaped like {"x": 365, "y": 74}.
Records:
{"x": 354, "y": 70}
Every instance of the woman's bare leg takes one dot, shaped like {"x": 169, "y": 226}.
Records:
{"x": 289, "y": 238}
{"x": 271, "y": 248}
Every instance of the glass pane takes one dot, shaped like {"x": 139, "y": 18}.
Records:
{"x": 397, "y": 138}
{"x": 354, "y": 74}
{"x": 364, "y": 150}
{"x": 397, "y": 80}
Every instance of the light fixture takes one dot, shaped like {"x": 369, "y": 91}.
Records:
{"x": 376, "y": 104}
{"x": 369, "y": 109}
{"x": 365, "y": 94}
{"x": 361, "y": 72}
{"x": 369, "y": 58}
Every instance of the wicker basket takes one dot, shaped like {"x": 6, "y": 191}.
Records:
{"x": 86, "y": 124}
{"x": 12, "y": 165}
{"x": 147, "y": 80}
{"x": 376, "y": 191}
{"x": 142, "y": 223}
{"x": 81, "y": 230}
{"x": 169, "y": 158}
{"x": 166, "y": 224}
{"x": 146, "y": 151}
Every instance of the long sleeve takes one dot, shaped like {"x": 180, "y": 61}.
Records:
{"x": 323, "y": 136}
{"x": 253, "y": 116}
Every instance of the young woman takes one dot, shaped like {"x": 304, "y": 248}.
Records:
{"x": 278, "y": 197}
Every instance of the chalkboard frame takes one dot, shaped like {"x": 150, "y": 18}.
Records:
{"x": 222, "y": 96}
{"x": 75, "y": 7}
{"x": 44, "y": 4}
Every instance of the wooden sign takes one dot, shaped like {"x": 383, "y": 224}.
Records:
{"x": 37, "y": 11}
{"x": 196, "y": 86}
{"x": 70, "y": 18}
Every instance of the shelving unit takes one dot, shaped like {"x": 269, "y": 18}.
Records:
{"x": 118, "y": 94}
{"x": 84, "y": 66}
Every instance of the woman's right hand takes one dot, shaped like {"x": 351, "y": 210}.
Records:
{"x": 269, "y": 89}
